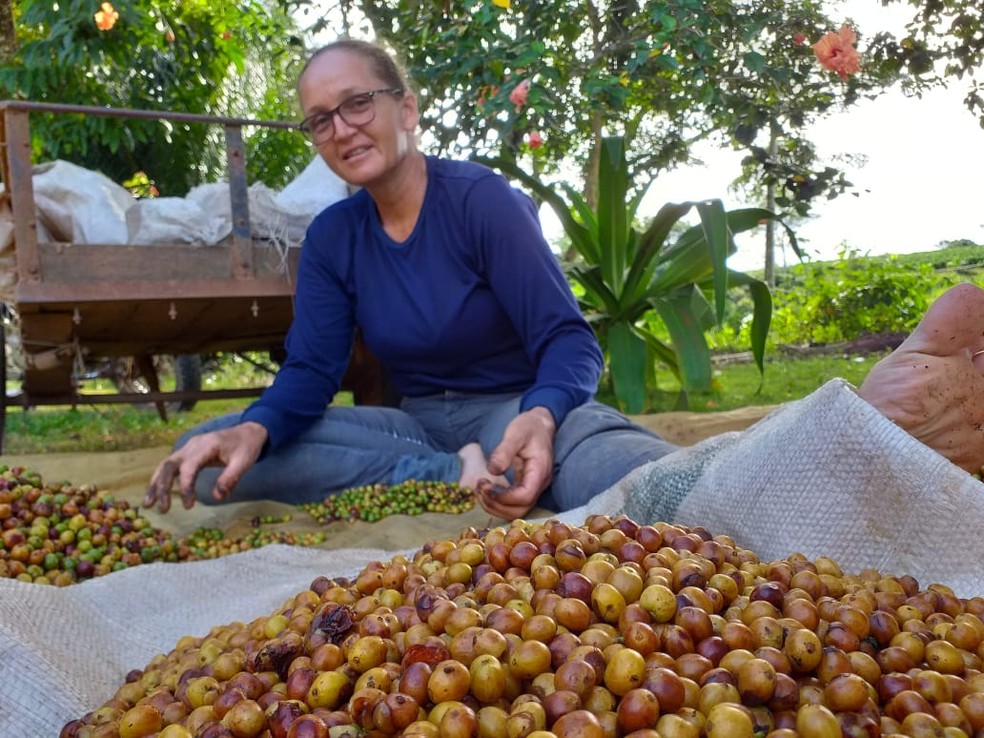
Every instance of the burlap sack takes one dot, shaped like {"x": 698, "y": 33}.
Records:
{"x": 824, "y": 476}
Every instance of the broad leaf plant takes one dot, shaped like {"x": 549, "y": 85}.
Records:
{"x": 625, "y": 274}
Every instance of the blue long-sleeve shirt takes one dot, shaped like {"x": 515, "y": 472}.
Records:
{"x": 473, "y": 300}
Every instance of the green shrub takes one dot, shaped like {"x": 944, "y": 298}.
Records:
{"x": 829, "y": 302}
{"x": 843, "y": 299}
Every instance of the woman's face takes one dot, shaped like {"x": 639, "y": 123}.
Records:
{"x": 361, "y": 155}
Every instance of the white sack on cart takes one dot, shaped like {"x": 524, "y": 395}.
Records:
{"x": 170, "y": 220}
{"x": 8, "y": 254}
{"x": 8, "y": 259}
{"x": 312, "y": 191}
{"x": 266, "y": 219}
{"x": 279, "y": 216}
{"x": 79, "y": 205}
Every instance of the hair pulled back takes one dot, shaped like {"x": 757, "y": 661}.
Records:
{"x": 382, "y": 62}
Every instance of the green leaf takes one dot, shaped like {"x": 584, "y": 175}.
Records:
{"x": 583, "y": 210}
{"x": 715, "y": 224}
{"x": 662, "y": 353}
{"x": 613, "y": 223}
{"x": 691, "y": 348}
{"x": 745, "y": 219}
{"x": 686, "y": 262}
{"x": 755, "y": 61}
{"x": 761, "y": 315}
{"x": 627, "y": 363}
{"x": 650, "y": 244}
{"x": 595, "y": 288}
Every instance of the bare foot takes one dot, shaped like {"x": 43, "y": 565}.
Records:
{"x": 474, "y": 467}
{"x": 933, "y": 385}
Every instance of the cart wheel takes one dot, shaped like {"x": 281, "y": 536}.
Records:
{"x": 187, "y": 378}
{"x": 186, "y": 370}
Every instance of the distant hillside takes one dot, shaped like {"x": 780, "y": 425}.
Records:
{"x": 963, "y": 257}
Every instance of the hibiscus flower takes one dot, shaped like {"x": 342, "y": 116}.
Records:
{"x": 106, "y": 17}
{"x": 518, "y": 95}
{"x": 535, "y": 139}
{"x": 836, "y": 52}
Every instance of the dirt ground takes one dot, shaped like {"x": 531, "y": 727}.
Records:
{"x": 126, "y": 474}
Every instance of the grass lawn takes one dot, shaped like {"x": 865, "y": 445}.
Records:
{"x": 741, "y": 385}
{"x": 123, "y": 427}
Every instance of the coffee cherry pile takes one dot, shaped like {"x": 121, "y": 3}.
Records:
{"x": 61, "y": 534}
{"x": 546, "y": 630}
{"x": 211, "y": 543}
{"x": 259, "y": 520}
{"x": 374, "y": 502}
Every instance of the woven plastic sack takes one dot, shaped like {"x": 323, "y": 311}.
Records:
{"x": 164, "y": 220}
{"x": 65, "y": 651}
{"x": 78, "y": 205}
{"x": 8, "y": 257}
{"x": 309, "y": 193}
{"x": 825, "y": 476}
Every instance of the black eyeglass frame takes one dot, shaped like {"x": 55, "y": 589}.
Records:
{"x": 305, "y": 127}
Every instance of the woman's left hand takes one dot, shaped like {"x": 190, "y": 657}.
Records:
{"x": 526, "y": 448}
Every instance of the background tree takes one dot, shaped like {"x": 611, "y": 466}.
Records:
{"x": 179, "y": 55}
{"x": 943, "y": 42}
{"x": 779, "y": 87}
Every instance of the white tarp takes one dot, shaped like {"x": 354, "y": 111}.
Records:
{"x": 78, "y": 205}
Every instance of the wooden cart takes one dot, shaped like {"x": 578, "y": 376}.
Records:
{"x": 105, "y": 300}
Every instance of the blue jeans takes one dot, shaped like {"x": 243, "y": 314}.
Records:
{"x": 594, "y": 447}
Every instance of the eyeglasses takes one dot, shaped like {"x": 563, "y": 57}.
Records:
{"x": 358, "y": 110}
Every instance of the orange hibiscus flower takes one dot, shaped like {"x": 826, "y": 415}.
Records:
{"x": 836, "y": 52}
{"x": 106, "y": 17}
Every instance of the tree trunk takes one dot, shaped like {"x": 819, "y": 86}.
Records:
{"x": 590, "y": 191}
{"x": 770, "y": 225}
{"x": 594, "y": 161}
{"x": 8, "y": 34}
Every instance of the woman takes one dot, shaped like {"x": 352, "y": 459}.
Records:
{"x": 444, "y": 268}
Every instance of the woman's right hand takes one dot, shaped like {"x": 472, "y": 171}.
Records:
{"x": 237, "y": 448}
